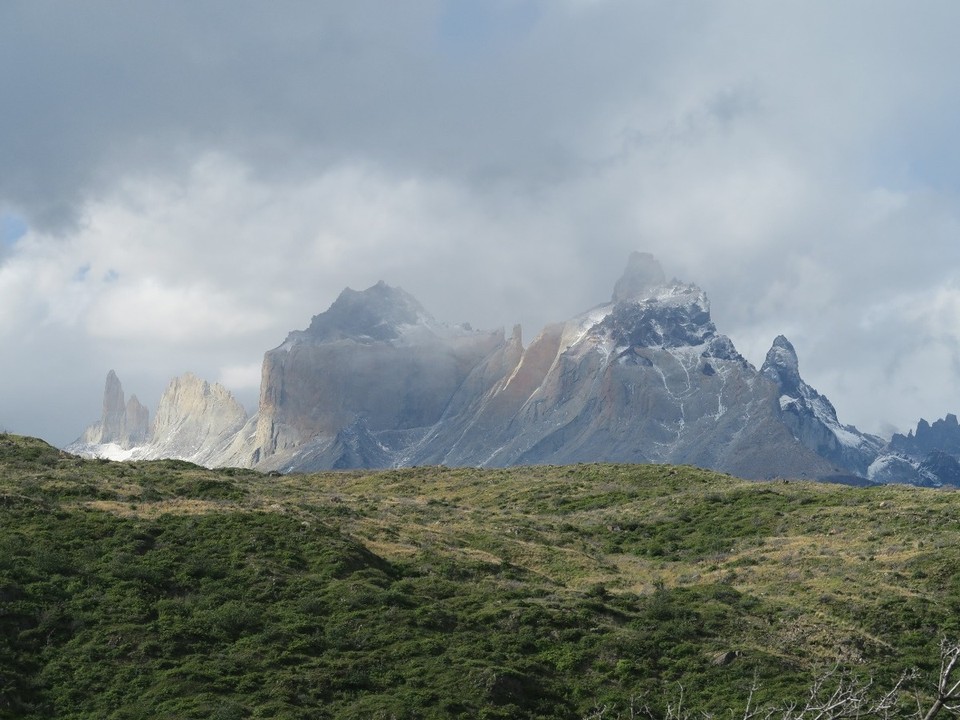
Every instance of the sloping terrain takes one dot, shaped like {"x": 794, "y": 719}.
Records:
{"x": 161, "y": 589}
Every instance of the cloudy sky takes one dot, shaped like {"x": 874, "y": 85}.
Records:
{"x": 181, "y": 183}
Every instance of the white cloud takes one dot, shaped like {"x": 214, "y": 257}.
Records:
{"x": 148, "y": 310}
{"x": 797, "y": 160}
{"x": 240, "y": 377}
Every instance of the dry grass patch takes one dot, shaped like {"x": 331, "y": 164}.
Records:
{"x": 175, "y": 506}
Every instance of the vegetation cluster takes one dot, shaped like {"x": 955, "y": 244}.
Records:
{"x": 162, "y": 589}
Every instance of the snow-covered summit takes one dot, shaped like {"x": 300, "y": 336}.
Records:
{"x": 649, "y": 311}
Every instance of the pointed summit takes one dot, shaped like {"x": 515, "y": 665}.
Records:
{"x": 123, "y": 423}
{"x": 782, "y": 365}
{"x": 811, "y": 417}
{"x": 643, "y": 273}
{"x": 114, "y": 409}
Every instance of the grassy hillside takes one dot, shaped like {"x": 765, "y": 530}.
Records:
{"x": 164, "y": 590}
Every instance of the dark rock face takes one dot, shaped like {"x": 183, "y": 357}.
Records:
{"x": 943, "y": 435}
{"x": 649, "y": 324}
{"x": 782, "y": 366}
{"x": 942, "y": 466}
{"x": 930, "y": 456}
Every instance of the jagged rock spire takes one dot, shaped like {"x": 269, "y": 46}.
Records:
{"x": 114, "y": 409}
{"x": 782, "y": 366}
{"x": 124, "y": 423}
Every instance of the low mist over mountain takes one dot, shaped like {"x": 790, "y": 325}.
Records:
{"x": 376, "y": 381}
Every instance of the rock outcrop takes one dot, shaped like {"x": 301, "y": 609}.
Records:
{"x": 943, "y": 435}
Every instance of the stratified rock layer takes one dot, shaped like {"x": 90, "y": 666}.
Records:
{"x": 375, "y": 381}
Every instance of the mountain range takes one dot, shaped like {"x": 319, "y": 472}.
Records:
{"x": 376, "y": 381}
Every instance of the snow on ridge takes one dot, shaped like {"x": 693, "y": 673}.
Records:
{"x": 786, "y": 401}
{"x": 676, "y": 295}
{"x": 579, "y": 327}
{"x": 847, "y": 437}
{"x": 825, "y": 414}
{"x": 604, "y": 347}
{"x": 108, "y": 451}
{"x": 882, "y": 464}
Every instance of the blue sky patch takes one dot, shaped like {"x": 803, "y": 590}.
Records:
{"x": 471, "y": 28}
{"x": 12, "y": 228}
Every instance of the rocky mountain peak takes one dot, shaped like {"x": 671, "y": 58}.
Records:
{"x": 940, "y": 435}
{"x": 189, "y": 398}
{"x": 782, "y": 365}
{"x": 195, "y": 417}
{"x": 811, "y": 417}
{"x": 642, "y": 274}
{"x": 114, "y": 409}
{"x": 649, "y": 311}
{"x": 376, "y": 313}
{"x": 122, "y": 423}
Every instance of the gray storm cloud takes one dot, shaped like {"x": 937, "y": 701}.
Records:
{"x": 198, "y": 179}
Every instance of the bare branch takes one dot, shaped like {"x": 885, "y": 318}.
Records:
{"x": 948, "y": 686}
{"x": 833, "y": 695}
